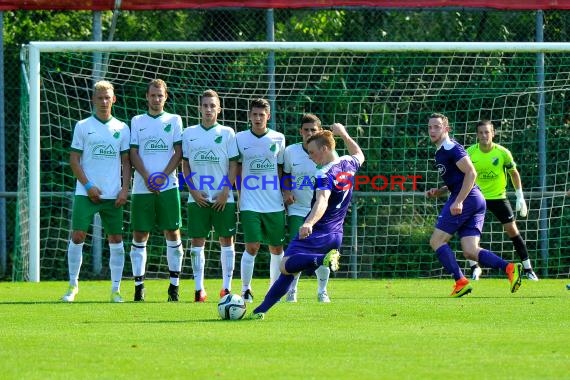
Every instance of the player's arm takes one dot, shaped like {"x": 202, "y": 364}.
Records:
{"x": 517, "y": 184}
{"x": 466, "y": 166}
{"x": 125, "y": 178}
{"x": 286, "y": 187}
{"x": 93, "y": 192}
{"x": 351, "y": 145}
{"x": 138, "y": 164}
{"x": 174, "y": 161}
{"x": 316, "y": 213}
{"x": 222, "y": 197}
{"x": 436, "y": 192}
{"x": 195, "y": 193}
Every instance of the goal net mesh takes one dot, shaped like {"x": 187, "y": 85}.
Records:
{"x": 384, "y": 100}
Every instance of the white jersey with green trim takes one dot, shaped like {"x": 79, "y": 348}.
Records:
{"x": 260, "y": 182}
{"x": 155, "y": 138}
{"x": 101, "y": 144}
{"x": 207, "y": 152}
{"x": 301, "y": 168}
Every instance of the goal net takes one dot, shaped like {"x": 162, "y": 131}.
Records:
{"x": 383, "y": 92}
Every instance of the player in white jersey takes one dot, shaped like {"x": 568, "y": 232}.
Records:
{"x": 299, "y": 179}
{"x": 99, "y": 160}
{"x": 210, "y": 175}
{"x": 156, "y": 151}
{"x": 262, "y": 214}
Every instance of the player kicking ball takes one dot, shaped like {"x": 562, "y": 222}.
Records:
{"x": 320, "y": 236}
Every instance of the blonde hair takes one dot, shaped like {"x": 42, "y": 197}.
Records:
{"x": 102, "y": 85}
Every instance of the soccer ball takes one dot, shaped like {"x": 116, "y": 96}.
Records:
{"x": 232, "y": 307}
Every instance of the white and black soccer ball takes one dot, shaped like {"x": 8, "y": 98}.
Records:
{"x": 232, "y": 307}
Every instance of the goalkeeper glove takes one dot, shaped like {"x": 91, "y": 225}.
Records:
{"x": 521, "y": 204}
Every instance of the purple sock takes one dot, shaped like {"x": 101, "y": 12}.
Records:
{"x": 447, "y": 259}
{"x": 490, "y": 260}
{"x": 277, "y": 290}
{"x": 301, "y": 261}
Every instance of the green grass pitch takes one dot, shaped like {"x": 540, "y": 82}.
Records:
{"x": 373, "y": 329}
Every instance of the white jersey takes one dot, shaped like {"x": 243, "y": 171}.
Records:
{"x": 101, "y": 144}
{"x": 260, "y": 155}
{"x": 301, "y": 168}
{"x": 155, "y": 138}
{"x": 207, "y": 153}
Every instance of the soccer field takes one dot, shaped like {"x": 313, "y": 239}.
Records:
{"x": 372, "y": 329}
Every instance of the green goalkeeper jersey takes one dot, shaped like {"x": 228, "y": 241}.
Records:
{"x": 492, "y": 169}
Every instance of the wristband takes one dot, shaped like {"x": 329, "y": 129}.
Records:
{"x": 519, "y": 193}
{"x": 88, "y": 185}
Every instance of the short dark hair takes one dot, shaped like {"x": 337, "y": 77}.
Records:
{"x": 484, "y": 122}
{"x": 311, "y": 118}
{"x": 260, "y": 103}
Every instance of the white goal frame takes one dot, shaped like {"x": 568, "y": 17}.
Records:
{"x": 36, "y": 48}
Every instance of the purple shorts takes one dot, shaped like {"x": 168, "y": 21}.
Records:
{"x": 469, "y": 222}
{"x": 314, "y": 243}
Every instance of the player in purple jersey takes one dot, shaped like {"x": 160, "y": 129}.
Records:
{"x": 320, "y": 236}
{"x": 464, "y": 211}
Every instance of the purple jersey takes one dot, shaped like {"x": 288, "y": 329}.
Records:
{"x": 470, "y": 221}
{"x": 335, "y": 177}
{"x": 446, "y": 158}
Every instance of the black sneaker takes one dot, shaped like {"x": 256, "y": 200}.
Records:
{"x": 139, "y": 293}
{"x": 172, "y": 293}
{"x": 247, "y": 296}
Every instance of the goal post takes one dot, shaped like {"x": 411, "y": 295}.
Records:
{"x": 381, "y": 91}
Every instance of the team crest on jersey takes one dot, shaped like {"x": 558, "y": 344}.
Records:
{"x": 167, "y": 127}
{"x": 102, "y": 151}
{"x": 273, "y": 147}
{"x": 440, "y": 169}
{"x": 305, "y": 182}
{"x": 155, "y": 145}
{"x": 218, "y": 140}
{"x": 117, "y": 134}
{"x": 205, "y": 156}
{"x": 495, "y": 161}
{"x": 261, "y": 165}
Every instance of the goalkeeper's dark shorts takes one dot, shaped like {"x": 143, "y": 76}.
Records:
{"x": 502, "y": 210}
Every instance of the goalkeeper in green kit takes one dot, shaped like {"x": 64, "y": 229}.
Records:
{"x": 492, "y": 163}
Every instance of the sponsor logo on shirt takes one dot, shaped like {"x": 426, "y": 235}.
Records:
{"x": 156, "y": 146}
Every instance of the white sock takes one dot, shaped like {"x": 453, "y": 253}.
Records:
{"x": 198, "y": 260}
{"x": 472, "y": 263}
{"x": 138, "y": 259}
{"x": 228, "y": 261}
{"x": 274, "y": 270}
{"x": 295, "y": 283}
{"x": 74, "y": 260}
{"x": 174, "y": 256}
{"x": 323, "y": 274}
{"x": 116, "y": 264}
{"x": 247, "y": 264}
{"x": 526, "y": 264}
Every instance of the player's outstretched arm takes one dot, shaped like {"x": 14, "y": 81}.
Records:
{"x": 351, "y": 145}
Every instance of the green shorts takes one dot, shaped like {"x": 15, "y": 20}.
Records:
{"x": 268, "y": 227}
{"x": 201, "y": 220}
{"x": 160, "y": 210}
{"x": 294, "y": 222}
{"x": 84, "y": 210}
